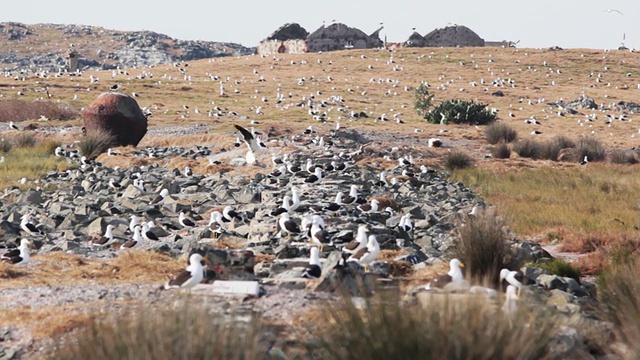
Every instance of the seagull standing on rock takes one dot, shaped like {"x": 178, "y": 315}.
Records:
{"x": 185, "y": 221}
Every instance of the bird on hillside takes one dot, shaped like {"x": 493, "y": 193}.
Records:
{"x": 28, "y": 226}
{"x": 287, "y": 225}
{"x": 367, "y": 255}
{"x": 314, "y": 270}
{"x": 190, "y": 277}
{"x": 19, "y": 256}
{"x": 185, "y": 221}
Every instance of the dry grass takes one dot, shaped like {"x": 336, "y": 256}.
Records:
{"x": 187, "y": 331}
{"x": 446, "y": 328}
{"x": 48, "y": 321}
{"x": 575, "y": 199}
{"x": 95, "y": 143}
{"x": 30, "y": 163}
{"x": 60, "y": 268}
{"x": 620, "y": 296}
{"x": 500, "y": 132}
{"x": 22, "y": 110}
{"x": 484, "y": 248}
{"x": 458, "y": 159}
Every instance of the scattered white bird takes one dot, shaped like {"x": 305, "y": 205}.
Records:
{"x": 190, "y": 277}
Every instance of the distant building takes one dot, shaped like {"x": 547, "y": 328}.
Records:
{"x": 288, "y": 39}
{"x": 293, "y": 39}
{"x": 340, "y": 37}
{"x": 450, "y": 36}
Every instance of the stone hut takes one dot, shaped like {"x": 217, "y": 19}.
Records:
{"x": 340, "y": 37}
{"x": 290, "y": 38}
{"x": 456, "y": 35}
{"x": 415, "y": 40}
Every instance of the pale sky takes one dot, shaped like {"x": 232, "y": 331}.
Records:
{"x": 536, "y": 23}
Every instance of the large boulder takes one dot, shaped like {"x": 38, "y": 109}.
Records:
{"x": 117, "y": 114}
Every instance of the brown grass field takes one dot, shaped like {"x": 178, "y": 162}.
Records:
{"x": 591, "y": 209}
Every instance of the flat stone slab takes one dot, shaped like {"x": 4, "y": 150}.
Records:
{"x": 227, "y": 287}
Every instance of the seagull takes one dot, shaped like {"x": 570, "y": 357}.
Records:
{"x": 249, "y": 139}
{"x": 314, "y": 270}
{"x": 335, "y": 206}
{"x": 366, "y": 256}
{"x": 137, "y": 238}
{"x": 190, "y": 277}
{"x": 372, "y": 207}
{"x": 286, "y": 206}
{"x": 359, "y": 242}
{"x": 287, "y": 225}
{"x": 315, "y": 177}
{"x": 185, "y": 221}
{"x": 295, "y": 198}
{"x": 613, "y": 11}
{"x": 106, "y": 238}
{"x": 513, "y": 278}
{"x": 114, "y": 185}
{"x": 147, "y": 233}
{"x": 133, "y": 223}
{"x": 353, "y": 195}
{"x": 228, "y": 214}
{"x": 161, "y": 196}
{"x": 188, "y": 171}
{"x": 584, "y": 161}
{"x": 318, "y": 235}
{"x": 216, "y": 225}
{"x": 13, "y": 126}
{"x": 510, "y": 305}
{"x": 28, "y": 227}
{"x": 19, "y": 256}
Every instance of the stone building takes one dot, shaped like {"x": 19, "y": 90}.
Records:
{"x": 449, "y": 36}
{"x": 293, "y": 39}
{"x": 340, "y": 37}
{"x": 290, "y": 38}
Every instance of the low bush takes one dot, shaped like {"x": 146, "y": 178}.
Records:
{"x": 483, "y": 247}
{"x": 591, "y": 148}
{"x": 186, "y": 332}
{"x": 457, "y": 160}
{"x": 95, "y": 143}
{"x": 25, "y": 140}
{"x": 561, "y": 268}
{"x": 501, "y": 151}
{"x": 448, "y": 328}
{"x": 21, "y": 110}
{"x": 528, "y": 148}
{"x": 460, "y": 112}
{"x": 624, "y": 157}
{"x": 500, "y": 132}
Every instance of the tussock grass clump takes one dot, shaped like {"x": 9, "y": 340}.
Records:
{"x": 528, "y": 148}
{"x": 458, "y": 159}
{"x": 552, "y": 149}
{"x": 186, "y": 332}
{"x": 483, "y": 247}
{"x": 95, "y": 143}
{"x": 460, "y": 112}
{"x": 501, "y": 151}
{"x": 443, "y": 327}
{"x": 25, "y": 140}
{"x": 21, "y": 110}
{"x": 592, "y": 148}
{"x": 500, "y": 132}
{"x": 620, "y": 298}
{"x": 561, "y": 268}
{"x": 5, "y": 146}
{"x": 623, "y": 156}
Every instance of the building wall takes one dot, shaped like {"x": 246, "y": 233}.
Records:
{"x": 270, "y": 47}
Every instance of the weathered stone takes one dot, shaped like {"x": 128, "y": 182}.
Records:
{"x": 117, "y": 114}
{"x": 551, "y": 282}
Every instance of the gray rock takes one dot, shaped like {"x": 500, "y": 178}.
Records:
{"x": 551, "y": 282}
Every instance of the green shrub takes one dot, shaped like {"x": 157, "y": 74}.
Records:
{"x": 186, "y": 332}
{"x": 501, "y": 151}
{"x": 500, "y": 132}
{"x": 561, "y": 268}
{"x": 483, "y": 248}
{"x": 528, "y": 148}
{"x": 422, "y": 100}
{"x": 449, "y": 328}
{"x": 460, "y": 112}
{"x": 95, "y": 143}
{"x": 457, "y": 159}
{"x": 623, "y": 156}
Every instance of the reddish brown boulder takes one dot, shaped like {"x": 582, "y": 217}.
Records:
{"x": 117, "y": 114}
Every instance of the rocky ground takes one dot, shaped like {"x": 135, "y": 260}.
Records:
{"x": 72, "y": 207}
